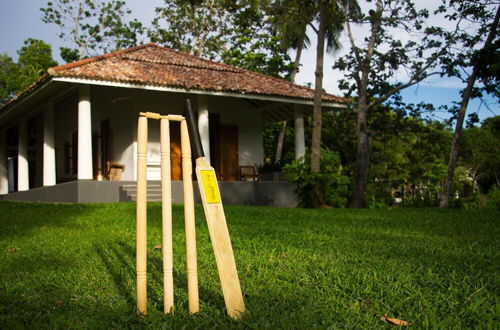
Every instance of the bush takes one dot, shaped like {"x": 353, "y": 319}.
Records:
{"x": 493, "y": 201}
{"x": 473, "y": 202}
{"x": 329, "y": 183}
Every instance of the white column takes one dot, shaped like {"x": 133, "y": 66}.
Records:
{"x": 4, "y": 181}
{"x": 203, "y": 125}
{"x": 23, "y": 182}
{"x": 300, "y": 144}
{"x": 84, "y": 135}
{"x": 49, "y": 154}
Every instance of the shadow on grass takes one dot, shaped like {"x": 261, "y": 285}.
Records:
{"x": 119, "y": 260}
{"x": 19, "y": 219}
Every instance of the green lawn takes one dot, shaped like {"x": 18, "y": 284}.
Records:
{"x": 66, "y": 265}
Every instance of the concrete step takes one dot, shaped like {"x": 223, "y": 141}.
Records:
{"x": 153, "y": 190}
{"x": 151, "y": 198}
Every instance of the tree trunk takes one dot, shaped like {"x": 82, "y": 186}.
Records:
{"x": 457, "y": 136}
{"x": 363, "y": 152}
{"x": 318, "y": 91}
{"x": 298, "y": 55}
{"x": 279, "y": 146}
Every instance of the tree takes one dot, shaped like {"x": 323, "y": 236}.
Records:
{"x": 290, "y": 25}
{"x": 237, "y": 32}
{"x": 35, "y": 57}
{"x": 92, "y": 26}
{"x": 9, "y": 71}
{"x": 326, "y": 20}
{"x": 371, "y": 68}
{"x": 193, "y": 27}
{"x": 292, "y": 33}
{"x": 252, "y": 44}
{"x": 479, "y": 61}
{"x": 480, "y": 154}
{"x": 330, "y": 23}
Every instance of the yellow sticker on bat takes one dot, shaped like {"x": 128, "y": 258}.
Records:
{"x": 210, "y": 186}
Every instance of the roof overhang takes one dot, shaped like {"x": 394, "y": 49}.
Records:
{"x": 53, "y": 84}
{"x": 31, "y": 100}
{"x": 196, "y": 91}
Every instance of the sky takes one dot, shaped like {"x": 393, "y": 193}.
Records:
{"x": 21, "y": 19}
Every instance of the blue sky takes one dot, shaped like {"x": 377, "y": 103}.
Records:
{"x": 21, "y": 19}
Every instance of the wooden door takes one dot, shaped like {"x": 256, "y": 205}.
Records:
{"x": 175, "y": 151}
{"x": 228, "y": 152}
{"x": 214, "y": 124}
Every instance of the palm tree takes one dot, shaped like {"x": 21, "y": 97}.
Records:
{"x": 292, "y": 32}
{"x": 330, "y": 22}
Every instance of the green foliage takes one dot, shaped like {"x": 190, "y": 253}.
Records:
{"x": 35, "y": 57}
{"x": 480, "y": 153}
{"x": 407, "y": 158}
{"x": 468, "y": 50}
{"x": 235, "y": 32}
{"x": 478, "y": 201}
{"x": 69, "y": 55}
{"x": 191, "y": 26}
{"x": 270, "y": 139}
{"x": 382, "y": 55}
{"x": 374, "y": 62}
{"x": 291, "y": 17}
{"x": 73, "y": 266}
{"x": 408, "y": 154}
{"x": 9, "y": 72}
{"x": 493, "y": 199}
{"x": 92, "y": 26}
{"x": 473, "y": 202}
{"x": 263, "y": 53}
{"x": 327, "y": 187}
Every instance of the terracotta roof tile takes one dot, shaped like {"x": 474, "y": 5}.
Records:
{"x": 159, "y": 66}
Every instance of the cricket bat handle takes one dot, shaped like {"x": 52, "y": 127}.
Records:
{"x": 194, "y": 133}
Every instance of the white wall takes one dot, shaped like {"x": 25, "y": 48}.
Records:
{"x": 122, "y": 106}
{"x": 235, "y": 111}
{"x": 118, "y": 107}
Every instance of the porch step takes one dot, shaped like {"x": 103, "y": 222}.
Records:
{"x": 129, "y": 192}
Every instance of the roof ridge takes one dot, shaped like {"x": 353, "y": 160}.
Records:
{"x": 53, "y": 70}
{"x": 231, "y": 68}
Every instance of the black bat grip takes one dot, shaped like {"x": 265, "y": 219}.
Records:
{"x": 194, "y": 134}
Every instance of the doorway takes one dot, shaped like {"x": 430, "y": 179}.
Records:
{"x": 223, "y": 148}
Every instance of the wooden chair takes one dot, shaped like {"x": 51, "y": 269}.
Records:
{"x": 114, "y": 171}
{"x": 249, "y": 173}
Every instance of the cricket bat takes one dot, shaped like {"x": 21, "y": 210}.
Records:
{"x": 216, "y": 221}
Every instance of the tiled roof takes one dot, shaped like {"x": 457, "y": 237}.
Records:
{"x": 154, "y": 65}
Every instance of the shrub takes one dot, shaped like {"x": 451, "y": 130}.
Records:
{"x": 493, "y": 201}
{"x": 329, "y": 183}
{"x": 473, "y": 202}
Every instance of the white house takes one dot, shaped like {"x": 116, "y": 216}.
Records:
{"x": 80, "y": 117}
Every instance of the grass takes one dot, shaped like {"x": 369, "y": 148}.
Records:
{"x": 73, "y": 266}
